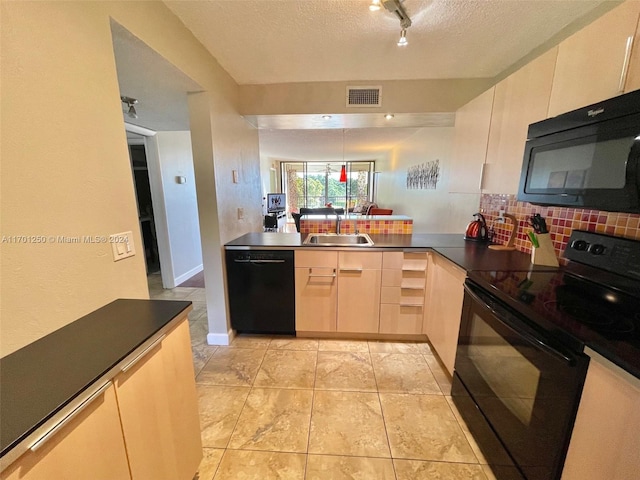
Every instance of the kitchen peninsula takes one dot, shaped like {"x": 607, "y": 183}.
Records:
{"x": 109, "y": 396}
{"x": 403, "y": 287}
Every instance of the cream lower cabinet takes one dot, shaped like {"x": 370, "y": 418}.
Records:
{"x": 359, "y": 277}
{"x": 316, "y": 290}
{"x": 605, "y": 443}
{"x": 89, "y": 446}
{"x": 404, "y": 277}
{"x": 142, "y": 425}
{"x": 593, "y": 63}
{"x": 159, "y": 410}
{"x": 444, "y": 308}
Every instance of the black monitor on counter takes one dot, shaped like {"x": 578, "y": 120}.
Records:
{"x": 276, "y": 202}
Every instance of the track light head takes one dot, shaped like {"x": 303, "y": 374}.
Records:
{"x": 130, "y": 102}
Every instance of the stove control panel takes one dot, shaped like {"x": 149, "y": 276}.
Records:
{"x": 614, "y": 254}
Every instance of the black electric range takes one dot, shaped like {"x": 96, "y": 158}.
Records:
{"x": 593, "y": 301}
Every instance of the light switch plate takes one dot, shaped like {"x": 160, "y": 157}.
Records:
{"x": 122, "y": 245}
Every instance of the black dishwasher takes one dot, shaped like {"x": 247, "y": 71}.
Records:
{"x": 261, "y": 290}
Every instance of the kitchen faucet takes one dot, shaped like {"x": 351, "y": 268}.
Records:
{"x": 337, "y": 222}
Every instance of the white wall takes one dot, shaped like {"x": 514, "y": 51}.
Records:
{"x": 181, "y": 206}
{"x": 433, "y": 211}
{"x": 65, "y": 164}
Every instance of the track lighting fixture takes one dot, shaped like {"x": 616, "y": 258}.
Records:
{"x": 130, "y": 102}
{"x": 395, "y": 7}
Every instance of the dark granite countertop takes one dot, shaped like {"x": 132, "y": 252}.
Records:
{"x": 268, "y": 240}
{"x": 469, "y": 256}
{"x": 478, "y": 257}
{"x": 41, "y": 378}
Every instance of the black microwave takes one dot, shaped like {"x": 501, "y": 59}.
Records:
{"x": 587, "y": 158}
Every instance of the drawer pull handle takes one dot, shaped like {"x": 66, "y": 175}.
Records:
{"x": 70, "y": 416}
{"x": 407, "y": 269}
{"x": 358, "y": 270}
{"x": 411, "y": 288}
{"x": 418, "y": 305}
{"x": 625, "y": 64}
{"x": 330, "y": 275}
{"x": 140, "y": 356}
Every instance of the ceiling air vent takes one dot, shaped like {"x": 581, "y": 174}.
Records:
{"x": 364, "y": 96}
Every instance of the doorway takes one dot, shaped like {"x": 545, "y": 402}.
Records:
{"x": 140, "y": 170}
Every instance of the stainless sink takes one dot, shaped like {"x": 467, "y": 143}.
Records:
{"x": 338, "y": 240}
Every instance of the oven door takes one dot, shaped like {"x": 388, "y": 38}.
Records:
{"x": 526, "y": 386}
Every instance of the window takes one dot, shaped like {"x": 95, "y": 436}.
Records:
{"x": 316, "y": 184}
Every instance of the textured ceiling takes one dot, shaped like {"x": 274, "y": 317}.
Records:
{"x": 160, "y": 88}
{"x": 281, "y": 41}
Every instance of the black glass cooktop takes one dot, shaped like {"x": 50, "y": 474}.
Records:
{"x": 571, "y": 304}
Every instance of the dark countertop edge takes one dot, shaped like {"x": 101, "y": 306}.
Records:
{"x": 18, "y": 447}
{"x": 279, "y": 241}
{"x": 467, "y": 255}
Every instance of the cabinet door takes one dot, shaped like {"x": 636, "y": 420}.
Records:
{"x": 605, "y": 441}
{"x": 359, "y": 278}
{"x": 471, "y": 134}
{"x": 520, "y": 99}
{"x": 316, "y": 299}
{"x": 442, "y": 322}
{"x": 591, "y": 62}
{"x": 401, "y": 319}
{"x": 159, "y": 411}
{"x": 89, "y": 446}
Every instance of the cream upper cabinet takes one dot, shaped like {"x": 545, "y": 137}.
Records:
{"x": 633, "y": 76}
{"x": 519, "y": 100}
{"x": 442, "y": 320}
{"x": 359, "y": 277}
{"x": 605, "y": 443}
{"x": 404, "y": 276}
{"x": 592, "y": 63}
{"x": 471, "y": 135}
{"x": 316, "y": 290}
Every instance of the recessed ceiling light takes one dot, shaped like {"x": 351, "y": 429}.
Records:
{"x": 375, "y": 5}
{"x": 389, "y": 116}
{"x": 326, "y": 117}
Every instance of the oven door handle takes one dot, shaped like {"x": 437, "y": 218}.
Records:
{"x": 522, "y": 329}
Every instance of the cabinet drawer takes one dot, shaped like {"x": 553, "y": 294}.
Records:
{"x": 400, "y": 319}
{"x": 403, "y": 278}
{"x": 405, "y": 260}
{"x": 402, "y": 296}
{"x": 308, "y": 258}
{"x": 359, "y": 260}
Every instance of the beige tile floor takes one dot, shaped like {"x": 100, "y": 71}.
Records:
{"x": 305, "y": 409}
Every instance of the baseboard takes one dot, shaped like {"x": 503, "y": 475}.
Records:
{"x": 186, "y": 276}
{"x": 220, "y": 338}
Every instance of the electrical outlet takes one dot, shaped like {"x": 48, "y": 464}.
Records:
{"x": 501, "y": 218}
{"x": 240, "y": 213}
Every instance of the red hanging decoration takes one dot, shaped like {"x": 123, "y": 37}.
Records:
{"x": 343, "y": 174}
